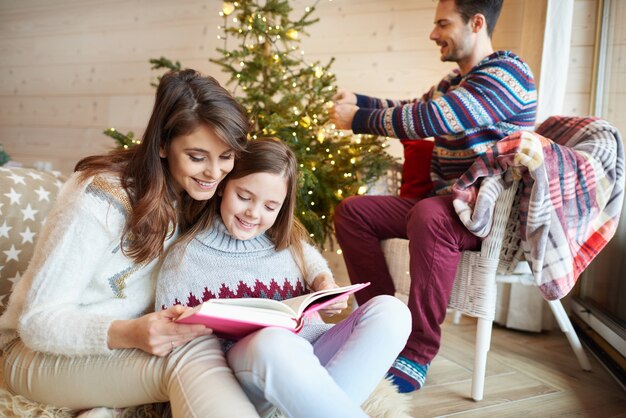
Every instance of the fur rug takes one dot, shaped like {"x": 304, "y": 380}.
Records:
{"x": 384, "y": 402}
{"x": 387, "y": 402}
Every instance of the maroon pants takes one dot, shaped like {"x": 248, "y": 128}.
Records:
{"x": 436, "y": 239}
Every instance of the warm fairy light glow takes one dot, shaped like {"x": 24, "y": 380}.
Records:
{"x": 227, "y": 8}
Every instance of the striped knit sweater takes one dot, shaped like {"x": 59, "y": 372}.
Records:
{"x": 465, "y": 114}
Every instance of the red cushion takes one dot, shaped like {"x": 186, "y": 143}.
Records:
{"x": 416, "y": 180}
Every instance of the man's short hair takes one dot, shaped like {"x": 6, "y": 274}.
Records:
{"x": 488, "y": 8}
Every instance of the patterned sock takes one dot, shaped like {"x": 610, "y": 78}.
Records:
{"x": 407, "y": 375}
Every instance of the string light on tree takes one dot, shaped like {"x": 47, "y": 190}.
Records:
{"x": 227, "y": 8}
{"x": 122, "y": 140}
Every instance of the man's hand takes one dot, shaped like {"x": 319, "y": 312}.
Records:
{"x": 342, "y": 115}
{"x": 344, "y": 97}
{"x": 343, "y": 110}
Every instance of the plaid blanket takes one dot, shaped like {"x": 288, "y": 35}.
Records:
{"x": 572, "y": 177}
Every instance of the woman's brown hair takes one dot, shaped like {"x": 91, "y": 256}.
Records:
{"x": 184, "y": 101}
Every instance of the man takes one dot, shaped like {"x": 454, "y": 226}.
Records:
{"x": 490, "y": 95}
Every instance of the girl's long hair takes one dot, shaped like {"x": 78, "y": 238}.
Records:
{"x": 185, "y": 100}
{"x": 270, "y": 155}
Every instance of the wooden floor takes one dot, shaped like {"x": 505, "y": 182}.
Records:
{"x": 528, "y": 375}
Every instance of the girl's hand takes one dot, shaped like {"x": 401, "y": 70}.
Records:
{"x": 155, "y": 333}
{"x": 324, "y": 281}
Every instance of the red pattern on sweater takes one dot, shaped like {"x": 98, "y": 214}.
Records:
{"x": 243, "y": 290}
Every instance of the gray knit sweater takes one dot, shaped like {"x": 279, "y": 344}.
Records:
{"x": 216, "y": 265}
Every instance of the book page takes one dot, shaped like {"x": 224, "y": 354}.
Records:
{"x": 322, "y": 298}
{"x": 258, "y": 303}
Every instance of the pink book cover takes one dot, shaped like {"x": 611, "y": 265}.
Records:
{"x": 236, "y": 318}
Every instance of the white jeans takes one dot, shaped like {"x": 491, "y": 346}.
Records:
{"x": 333, "y": 376}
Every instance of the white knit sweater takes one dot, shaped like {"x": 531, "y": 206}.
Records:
{"x": 78, "y": 280}
{"x": 217, "y": 265}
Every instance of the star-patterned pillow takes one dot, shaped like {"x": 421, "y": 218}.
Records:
{"x": 26, "y": 196}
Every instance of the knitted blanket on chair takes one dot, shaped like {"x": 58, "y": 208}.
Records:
{"x": 572, "y": 190}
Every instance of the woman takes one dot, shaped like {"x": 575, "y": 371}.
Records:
{"x": 256, "y": 248}
{"x": 76, "y": 333}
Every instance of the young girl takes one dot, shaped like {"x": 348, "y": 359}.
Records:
{"x": 76, "y": 333}
{"x": 256, "y": 248}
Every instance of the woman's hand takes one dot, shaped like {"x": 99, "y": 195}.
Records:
{"x": 155, "y": 333}
{"x": 324, "y": 281}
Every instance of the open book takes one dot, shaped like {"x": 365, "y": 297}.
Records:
{"x": 236, "y": 318}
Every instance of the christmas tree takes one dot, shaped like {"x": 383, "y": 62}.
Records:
{"x": 288, "y": 98}
{"x": 4, "y": 157}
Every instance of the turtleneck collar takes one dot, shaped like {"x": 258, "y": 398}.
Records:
{"x": 220, "y": 239}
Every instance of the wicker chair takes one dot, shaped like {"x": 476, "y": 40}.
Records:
{"x": 475, "y": 288}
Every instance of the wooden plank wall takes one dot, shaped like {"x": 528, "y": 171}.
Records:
{"x": 72, "y": 68}
{"x": 578, "y": 92}
{"x": 616, "y": 106}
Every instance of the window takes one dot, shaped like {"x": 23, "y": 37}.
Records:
{"x": 602, "y": 286}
